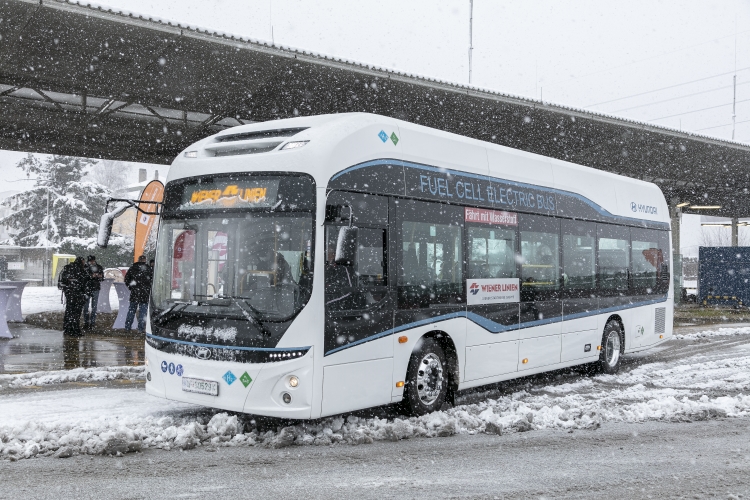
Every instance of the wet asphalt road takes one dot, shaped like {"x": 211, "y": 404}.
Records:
{"x": 654, "y": 460}
{"x": 704, "y": 459}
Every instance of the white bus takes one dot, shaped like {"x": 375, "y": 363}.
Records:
{"x": 315, "y": 266}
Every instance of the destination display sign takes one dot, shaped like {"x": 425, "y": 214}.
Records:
{"x": 255, "y": 193}
{"x": 492, "y": 291}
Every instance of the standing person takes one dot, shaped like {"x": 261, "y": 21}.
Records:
{"x": 138, "y": 281}
{"x": 93, "y": 285}
{"x": 73, "y": 281}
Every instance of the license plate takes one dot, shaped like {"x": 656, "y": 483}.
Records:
{"x": 201, "y": 386}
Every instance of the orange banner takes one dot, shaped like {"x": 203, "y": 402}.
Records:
{"x": 144, "y": 223}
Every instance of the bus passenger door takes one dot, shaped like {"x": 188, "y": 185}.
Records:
{"x": 541, "y": 307}
{"x": 492, "y": 296}
{"x": 431, "y": 285}
{"x": 358, "y": 358}
{"x": 580, "y": 334}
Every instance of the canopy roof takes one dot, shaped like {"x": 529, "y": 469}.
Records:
{"x": 81, "y": 81}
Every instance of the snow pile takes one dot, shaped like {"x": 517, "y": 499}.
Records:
{"x": 110, "y": 421}
{"x": 115, "y": 433}
{"x": 76, "y": 375}
{"x": 721, "y": 332}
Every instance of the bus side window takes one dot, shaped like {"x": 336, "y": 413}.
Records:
{"x": 579, "y": 257}
{"x": 363, "y": 283}
{"x": 540, "y": 256}
{"x": 649, "y": 256}
{"x": 431, "y": 261}
{"x": 491, "y": 252}
{"x": 613, "y": 254}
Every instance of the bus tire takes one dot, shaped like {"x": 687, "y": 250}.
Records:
{"x": 427, "y": 379}
{"x": 612, "y": 348}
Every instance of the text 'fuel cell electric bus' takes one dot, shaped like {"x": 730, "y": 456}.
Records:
{"x": 314, "y": 266}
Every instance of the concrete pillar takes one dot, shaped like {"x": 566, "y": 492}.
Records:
{"x": 676, "y": 216}
{"x": 735, "y": 233}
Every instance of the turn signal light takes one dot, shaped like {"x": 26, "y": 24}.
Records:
{"x": 525, "y": 360}
{"x": 400, "y": 383}
{"x": 661, "y": 336}
{"x": 403, "y": 340}
{"x": 598, "y": 348}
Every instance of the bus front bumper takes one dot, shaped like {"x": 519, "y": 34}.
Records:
{"x": 255, "y": 388}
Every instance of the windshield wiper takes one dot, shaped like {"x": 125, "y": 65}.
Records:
{"x": 249, "y": 312}
{"x": 171, "y": 309}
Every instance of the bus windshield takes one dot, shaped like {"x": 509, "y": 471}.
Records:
{"x": 252, "y": 265}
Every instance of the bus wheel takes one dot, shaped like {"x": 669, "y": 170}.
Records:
{"x": 612, "y": 344}
{"x": 426, "y": 379}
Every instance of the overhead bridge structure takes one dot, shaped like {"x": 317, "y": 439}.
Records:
{"x": 81, "y": 81}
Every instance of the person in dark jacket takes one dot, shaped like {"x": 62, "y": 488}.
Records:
{"x": 73, "y": 280}
{"x": 94, "y": 284}
{"x": 138, "y": 281}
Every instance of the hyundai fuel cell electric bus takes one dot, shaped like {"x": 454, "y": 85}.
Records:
{"x": 313, "y": 266}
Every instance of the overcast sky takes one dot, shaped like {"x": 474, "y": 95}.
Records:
{"x": 601, "y": 55}
{"x": 665, "y": 62}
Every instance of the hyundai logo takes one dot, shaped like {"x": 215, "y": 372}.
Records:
{"x": 644, "y": 209}
{"x": 202, "y": 352}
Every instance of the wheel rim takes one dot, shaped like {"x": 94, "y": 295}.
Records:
{"x": 429, "y": 379}
{"x": 612, "y": 352}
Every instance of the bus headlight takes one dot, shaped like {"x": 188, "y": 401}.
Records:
{"x": 293, "y": 381}
{"x": 294, "y": 145}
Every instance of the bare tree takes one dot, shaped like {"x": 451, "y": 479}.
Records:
{"x": 111, "y": 173}
{"x": 713, "y": 236}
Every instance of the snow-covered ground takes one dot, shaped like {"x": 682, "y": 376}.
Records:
{"x": 700, "y": 376}
{"x": 37, "y": 299}
{"x": 99, "y": 374}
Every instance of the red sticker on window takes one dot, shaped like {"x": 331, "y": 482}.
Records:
{"x": 484, "y": 216}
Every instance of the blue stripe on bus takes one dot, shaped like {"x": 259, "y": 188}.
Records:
{"x": 598, "y": 208}
{"x": 234, "y": 348}
{"x": 490, "y": 325}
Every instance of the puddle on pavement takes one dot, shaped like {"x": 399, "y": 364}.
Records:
{"x": 36, "y": 349}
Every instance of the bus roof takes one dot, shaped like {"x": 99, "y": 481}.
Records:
{"x": 329, "y": 144}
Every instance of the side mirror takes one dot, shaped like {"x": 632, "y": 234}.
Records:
{"x": 105, "y": 225}
{"x": 346, "y": 246}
